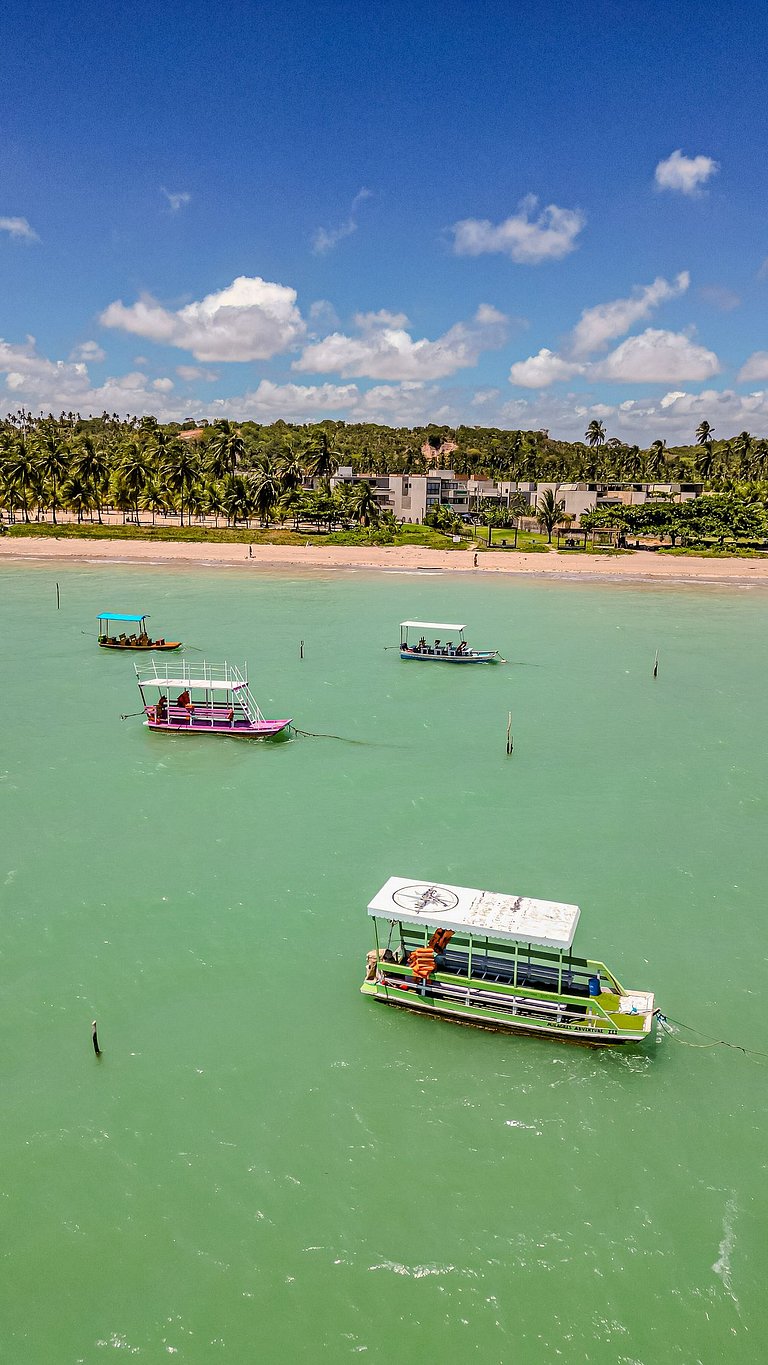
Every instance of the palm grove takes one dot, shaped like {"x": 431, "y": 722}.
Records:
{"x": 240, "y": 473}
{"x": 143, "y": 470}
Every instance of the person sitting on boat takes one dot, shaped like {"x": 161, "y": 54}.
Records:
{"x": 462, "y": 648}
{"x": 183, "y": 698}
{"x": 422, "y": 646}
{"x": 161, "y": 710}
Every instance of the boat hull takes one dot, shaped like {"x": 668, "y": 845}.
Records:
{"x": 499, "y": 1020}
{"x": 264, "y": 729}
{"x": 172, "y": 644}
{"x": 480, "y": 658}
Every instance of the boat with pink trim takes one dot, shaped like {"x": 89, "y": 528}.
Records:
{"x": 203, "y": 699}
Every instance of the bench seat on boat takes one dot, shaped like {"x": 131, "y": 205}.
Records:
{"x": 536, "y": 975}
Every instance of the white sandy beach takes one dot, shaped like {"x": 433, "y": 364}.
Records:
{"x": 640, "y": 566}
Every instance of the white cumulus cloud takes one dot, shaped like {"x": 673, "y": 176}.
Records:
{"x": 252, "y": 319}
{"x": 20, "y": 228}
{"x": 88, "y": 351}
{"x": 673, "y": 417}
{"x": 539, "y": 371}
{"x": 754, "y": 368}
{"x": 57, "y": 385}
{"x": 528, "y": 238}
{"x": 384, "y": 349}
{"x": 599, "y": 325}
{"x": 192, "y": 374}
{"x": 656, "y": 357}
{"x": 685, "y": 173}
{"x": 162, "y": 385}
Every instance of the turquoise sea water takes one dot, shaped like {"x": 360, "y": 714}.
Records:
{"x": 263, "y": 1164}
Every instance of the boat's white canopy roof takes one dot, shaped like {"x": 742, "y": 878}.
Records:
{"x": 209, "y": 684}
{"x": 486, "y": 914}
{"x": 429, "y": 625}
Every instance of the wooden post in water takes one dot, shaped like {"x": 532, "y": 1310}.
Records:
{"x": 95, "y": 1039}
{"x": 58, "y": 601}
{"x": 510, "y": 741}
{"x": 656, "y": 665}
{"x": 301, "y": 649}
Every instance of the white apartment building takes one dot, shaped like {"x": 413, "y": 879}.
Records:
{"x": 411, "y": 496}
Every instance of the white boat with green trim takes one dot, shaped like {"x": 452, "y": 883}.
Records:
{"x": 498, "y": 961}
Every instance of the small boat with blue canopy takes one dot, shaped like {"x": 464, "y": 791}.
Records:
{"x": 498, "y": 961}
{"x": 112, "y": 637}
{"x": 203, "y": 699}
{"x": 450, "y": 647}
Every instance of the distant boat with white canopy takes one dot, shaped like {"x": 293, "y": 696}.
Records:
{"x": 500, "y": 961}
{"x": 203, "y": 699}
{"x": 417, "y": 641}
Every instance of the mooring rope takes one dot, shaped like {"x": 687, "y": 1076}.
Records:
{"x": 665, "y": 1020}
{"x": 311, "y": 734}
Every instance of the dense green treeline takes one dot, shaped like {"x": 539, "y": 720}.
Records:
{"x": 246, "y": 471}
{"x": 140, "y": 469}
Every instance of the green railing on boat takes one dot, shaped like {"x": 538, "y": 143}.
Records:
{"x": 515, "y": 956}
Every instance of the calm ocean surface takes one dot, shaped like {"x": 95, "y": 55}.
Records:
{"x": 263, "y": 1165}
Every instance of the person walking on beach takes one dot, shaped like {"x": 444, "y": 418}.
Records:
{"x": 474, "y": 560}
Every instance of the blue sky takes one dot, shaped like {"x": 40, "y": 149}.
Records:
{"x": 498, "y": 214}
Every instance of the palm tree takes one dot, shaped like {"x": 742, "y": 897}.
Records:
{"x": 363, "y": 504}
{"x": 77, "y": 494}
{"x": 154, "y": 498}
{"x": 595, "y": 434}
{"x": 321, "y": 461}
{"x": 705, "y": 460}
{"x": 92, "y": 465}
{"x": 291, "y": 470}
{"x": 225, "y": 450}
{"x": 549, "y": 512}
{"x": 214, "y": 499}
{"x": 135, "y": 473}
{"x": 52, "y": 458}
{"x": 743, "y": 445}
{"x": 18, "y": 473}
{"x": 196, "y": 501}
{"x": 267, "y": 488}
{"x": 292, "y": 504}
{"x": 180, "y": 470}
{"x": 760, "y": 460}
{"x": 237, "y": 499}
{"x": 655, "y": 460}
